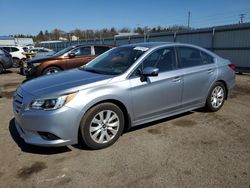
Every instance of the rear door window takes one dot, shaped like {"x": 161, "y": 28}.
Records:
{"x": 100, "y": 49}
{"x": 206, "y": 58}
{"x": 190, "y": 57}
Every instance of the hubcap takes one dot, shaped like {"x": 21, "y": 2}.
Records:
{"x": 217, "y": 97}
{"x": 51, "y": 71}
{"x": 104, "y": 126}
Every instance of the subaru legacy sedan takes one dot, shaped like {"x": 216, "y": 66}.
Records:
{"x": 124, "y": 87}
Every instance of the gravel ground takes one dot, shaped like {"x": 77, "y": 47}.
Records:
{"x": 195, "y": 149}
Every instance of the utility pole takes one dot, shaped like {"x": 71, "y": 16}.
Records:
{"x": 145, "y": 33}
{"x": 188, "y": 19}
{"x": 242, "y": 16}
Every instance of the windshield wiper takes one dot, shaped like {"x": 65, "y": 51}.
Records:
{"x": 93, "y": 70}
{"x": 97, "y": 71}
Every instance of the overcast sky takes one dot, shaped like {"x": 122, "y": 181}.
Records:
{"x": 31, "y": 16}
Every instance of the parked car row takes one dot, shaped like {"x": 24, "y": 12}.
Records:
{"x": 124, "y": 87}
{"x": 17, "y": 54}
{"x": 20, "y": 54}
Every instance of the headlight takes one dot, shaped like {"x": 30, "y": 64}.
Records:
{"x": 51, "y": 103}
{"x": 36, "y": 64}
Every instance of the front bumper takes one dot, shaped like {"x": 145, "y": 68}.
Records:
{"x": 63, "y": 123}
{"x": 32, "y": 137}
{"x": 28, "y": 70}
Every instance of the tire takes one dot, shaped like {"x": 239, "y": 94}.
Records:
{"x": 102, "y": 125}
{"x": 16, "y": 63}
{"x": 51, "y": 70}
{"x": 1, "y": 68}
{"x": 216, "y": 97}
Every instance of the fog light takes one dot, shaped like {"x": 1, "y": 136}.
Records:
{"x": 48, "y": 136}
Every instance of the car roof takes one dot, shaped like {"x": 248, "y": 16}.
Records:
{"x": 148, "y": 44}
{"x": 79, "y": 45}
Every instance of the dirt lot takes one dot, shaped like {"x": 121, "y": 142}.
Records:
{"x": 195, "y": 149}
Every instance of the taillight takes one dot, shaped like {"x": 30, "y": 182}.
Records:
{"x": 232, "y": 66}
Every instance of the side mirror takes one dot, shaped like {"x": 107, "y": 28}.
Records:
{"x": 72, "y": 55}
{"x": 150, "y": 71}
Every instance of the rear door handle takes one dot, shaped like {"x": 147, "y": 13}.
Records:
{"x": 177, "y": 79}
{"x": 210, "y": 71}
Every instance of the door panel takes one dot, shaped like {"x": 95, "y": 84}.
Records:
{"x": 156, "y": 96}
{"x": 196, "y": 83}
{"x": 199, "y": 73}
{"x": 78, "y": 61}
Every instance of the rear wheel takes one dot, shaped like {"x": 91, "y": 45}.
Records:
{"x": 216, "y": 97}
{"x": 51, "y": 70}
{"x": 102, "y": 125}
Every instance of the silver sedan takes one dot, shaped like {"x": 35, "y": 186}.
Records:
{"x": 122, "y": 88}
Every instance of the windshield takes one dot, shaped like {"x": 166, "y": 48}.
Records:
{"x": 63, "y": 51}
{"x": 115, "y": 61}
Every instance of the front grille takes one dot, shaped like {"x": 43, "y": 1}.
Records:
{"x": 18, "y": 102}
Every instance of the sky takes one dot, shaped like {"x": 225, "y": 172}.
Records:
{"x": 31, "y": 16}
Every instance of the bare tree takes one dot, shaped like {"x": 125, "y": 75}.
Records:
{"x": 56, "y": 34}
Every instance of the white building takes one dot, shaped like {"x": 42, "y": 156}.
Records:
{"x": 24, "y": 41}
{"x": 74, "y": 38}
{"x": 12, "y": 41}
{"x": 125, "y": 34}
{"x": 7, "y": 41}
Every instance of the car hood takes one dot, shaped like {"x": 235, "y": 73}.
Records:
{"x": 64, "y": 82}
{"x": 41, "y": 59}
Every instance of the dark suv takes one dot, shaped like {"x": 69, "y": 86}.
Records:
{"x": 5, "y": 60}
{"x": 68, "y": 58}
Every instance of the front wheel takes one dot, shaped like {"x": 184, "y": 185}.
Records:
{"x": 51, "y": 70}
{"x": 102, "y": 125}
{"x": 216, "y": 97}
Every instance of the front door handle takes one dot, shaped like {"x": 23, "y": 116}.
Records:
{"x": 177, "y": 79}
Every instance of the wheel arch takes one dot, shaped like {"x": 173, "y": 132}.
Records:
{"x": 225, "y": 85}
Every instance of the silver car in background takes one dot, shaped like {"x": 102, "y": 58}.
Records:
{"x": 41, "y": 52}
{"x": 122, "y": 88}
{"x": 5, "y": 60}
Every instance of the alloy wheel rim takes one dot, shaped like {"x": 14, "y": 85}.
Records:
{"x": 52, "y": 71}
{"x": 104, "y": 126}
{"x": 217, "y": 97}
